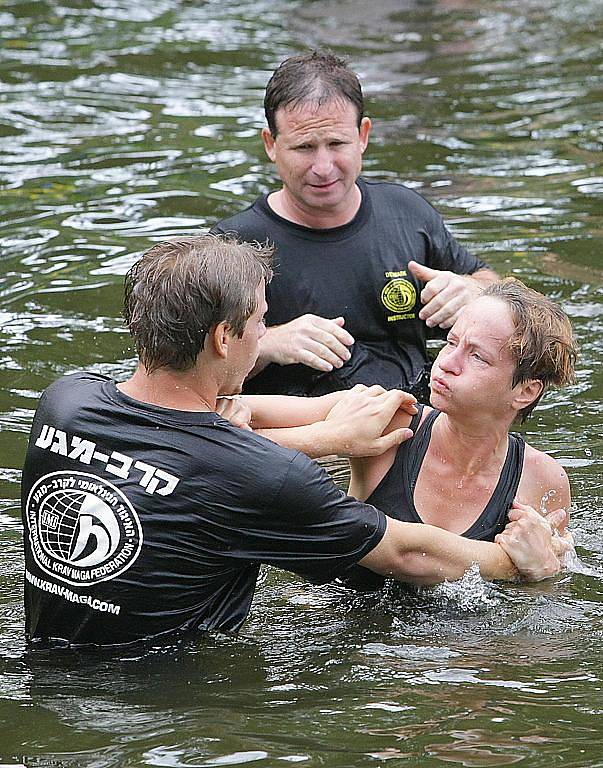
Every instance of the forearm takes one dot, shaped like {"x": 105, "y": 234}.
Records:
{"x": 354, "y": 424}
{"x": 279, "y": 411}
{"x": 311, "y": 439}
{"x": 268, "y": 350}
{"x": 359, "y": 478}
{"x": 426, "y": 555}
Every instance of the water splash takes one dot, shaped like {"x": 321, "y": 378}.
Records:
{"x": 470, "y": 594}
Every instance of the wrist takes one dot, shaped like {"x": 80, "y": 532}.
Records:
{"x": 271, "y": 347}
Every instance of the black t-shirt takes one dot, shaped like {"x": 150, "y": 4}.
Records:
{"x": 142, "y": 520}
{"x": 358, "y": 271}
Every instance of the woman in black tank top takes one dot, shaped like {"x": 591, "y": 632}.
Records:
{"x": 462, "y": 469}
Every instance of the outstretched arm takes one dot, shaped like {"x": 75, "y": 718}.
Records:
{"x": 426, "y": 555}
{"x": 354, "y": 425}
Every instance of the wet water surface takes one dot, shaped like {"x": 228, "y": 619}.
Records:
{"x": 122, "y": 123}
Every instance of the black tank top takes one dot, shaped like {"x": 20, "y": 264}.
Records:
{"x": 394, "y": 494}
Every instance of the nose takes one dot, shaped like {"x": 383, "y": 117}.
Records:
{"x": 450, "y": 360}
{"x": 322, "y": 162}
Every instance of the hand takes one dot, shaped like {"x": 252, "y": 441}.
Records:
{"x": 563, "y": 541}
{"x": 444, "y": 295}
{"x": 529, "y": 541}
{"x": 360, "y": 418}
{"x": 234, "y": 410}
{"x": 314, "y": 341}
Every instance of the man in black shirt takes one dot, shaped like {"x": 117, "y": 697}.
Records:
{"x": 146, "y": 512}
{"x": 354, "y": 259}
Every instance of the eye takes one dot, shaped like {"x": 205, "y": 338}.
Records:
{"x": 451, "y": 342}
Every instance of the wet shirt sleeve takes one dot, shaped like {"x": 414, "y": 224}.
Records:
{"x": 311, "y": 527}
{"x": 445, "y": 252}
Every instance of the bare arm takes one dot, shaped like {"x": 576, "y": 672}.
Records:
{"x": 425, "y": 555}
{"x": 278, "y": 411}
{"x": 544, "y": 484}
{"x": 368, "y": 471}
{"x": 354, "y": 426}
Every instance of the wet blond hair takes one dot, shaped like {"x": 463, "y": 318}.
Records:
{"x": 542, "y": 343}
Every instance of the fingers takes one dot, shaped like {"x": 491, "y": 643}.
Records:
{"x": 444, "y": 294}
{"x": 408, "y": 403}
{"x": 557, "y": 519}
{"x": 321, "y": 343}
{"x": 519, "y": 510}
{"x": 320, "y": 356}
{"x": 235, "y": 411}
{"x": 443, "y": 309}
{"x": 332, "y": 328}
{"x": 317, "y": 342}
{"x": 393, "y": 439}
{"x": 421, "y": 272}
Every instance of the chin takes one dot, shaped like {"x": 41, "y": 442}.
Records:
{"x": 439, "y": 400}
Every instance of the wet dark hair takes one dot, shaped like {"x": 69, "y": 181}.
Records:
{"x": 542, "y": 344}
{"x": 180, "y": 289}
{"x": 318, "y": 77}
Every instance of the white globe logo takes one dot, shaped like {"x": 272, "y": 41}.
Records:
{"x": 78, "y": 528}
{"x": 82, "y": 528}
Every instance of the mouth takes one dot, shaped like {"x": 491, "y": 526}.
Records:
{"x": 325, "y": 186}
{"x": 439, "y": 385}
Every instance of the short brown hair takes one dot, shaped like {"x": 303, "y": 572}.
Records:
{"x": 319, "y": 76}
{"x": 180, "y": 289}
{"x": 542, "y": 344}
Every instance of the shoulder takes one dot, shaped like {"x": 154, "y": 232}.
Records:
{"x": 247, "y": 223}
{"x": 80, "y": 380}
{"x": 396, "y": 193}
{"x": 544, "y": 479}
{"x": 369, "y": 471}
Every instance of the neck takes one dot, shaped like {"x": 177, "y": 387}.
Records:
{"x": 287, "y": 207}
{"x": 178, "y": 390}
{"x": 470, "y": 448}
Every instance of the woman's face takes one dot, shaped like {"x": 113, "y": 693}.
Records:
{"x": 474, "y": 370}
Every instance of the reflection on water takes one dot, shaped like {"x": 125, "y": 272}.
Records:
{"x": 122, "y": 123}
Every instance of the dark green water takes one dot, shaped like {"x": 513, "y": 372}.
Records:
{"x": 122, "y": 123}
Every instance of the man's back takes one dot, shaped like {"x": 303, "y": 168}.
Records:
{"x": 141, "y": 520}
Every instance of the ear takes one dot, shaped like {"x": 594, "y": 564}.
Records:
{"x": 365, "y": 131}
{"x": 525, "y": 393}
{"x": 220, "y": 339}
{"x": 269, "y": 142}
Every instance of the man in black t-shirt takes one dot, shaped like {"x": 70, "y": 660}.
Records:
{"x": 146, "y": 512}
{"x": 354, "y": 259}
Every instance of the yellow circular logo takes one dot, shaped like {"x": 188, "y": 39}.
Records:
{"x": 399, "y": 295}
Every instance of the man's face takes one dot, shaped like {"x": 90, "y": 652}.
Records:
{"x": 318, "y": 154}
{"x": 473, "y": 372}
{"x": 243, "y": 352}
